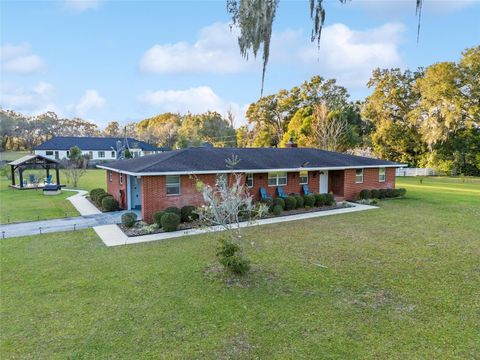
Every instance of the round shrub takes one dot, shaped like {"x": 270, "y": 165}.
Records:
{"x": 99, "y": 197}
{"x": 277, "y": 210}
{"x": 365, "y": 194}
{"x": 95, "y": 192}
{"x": 329, "y": 199}
{"x": 390, "y": 193}
{"x": 309, "y": 200}
{"x": 170, "y": 221}
{"x": 128, "y": 219}
{"x": 320, "y": 200}
{"x": 187, "y": 213}
{"x": 279, "y": 201}
{"x": 300, "y": 201}
{"x": 109, "y": 203}
{"x": 400, "y": 192}
{"x": 375, "y": 194}
{"x": 175, "y": 210}
{"x": 290, "y": 203}
{"x": 157, "y": 217}
{"x": 383, "y": 193}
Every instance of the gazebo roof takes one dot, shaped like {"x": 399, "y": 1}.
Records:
{"x": 33, "y": 159}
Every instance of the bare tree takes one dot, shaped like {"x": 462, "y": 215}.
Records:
{"x": 329, "y": 129}
{"x": 75, "y": 165}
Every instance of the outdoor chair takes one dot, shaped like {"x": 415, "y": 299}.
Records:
{"x": 280, "y": 192}
{"x": 48, "y": 179}
{"x": 264, "y": 194}
{"x": 33, "y": 179}
{"x": 306, "y": 191}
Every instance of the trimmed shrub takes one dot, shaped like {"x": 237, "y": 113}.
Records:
{"x": 170, "y": 221}
{"x": 329, "y": 199}
{"x": 400, "y": 192}
{"x": 383, "y": 193}
{"x": 290, "y": 203}
{"x": 99, "y": 198}
{"x": 174, "y": 210}
{"x": 300, "y": 201}
{"x": 231, "y": 258}
{"x": 109, "y": 203}
{"x": 128, "y": 219}
{"x": 375, "y": 194}
{"x": 309, "y": 200}
{"x": 365, "y": 194}
{"x": 279, "y": 201}
{"x": 157, "y": 217}
{"x": 95, "y": 192}
{"x": 277, "y": 209}
{"x": 320, "y": 200}
{"x": 188, "y": 213}
{"x": 390, "y": 193}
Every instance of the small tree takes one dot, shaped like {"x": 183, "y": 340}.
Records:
{"x": 128, "y": 154}
{"x": 226, "y": 203}
{"x": 76, "y": 165}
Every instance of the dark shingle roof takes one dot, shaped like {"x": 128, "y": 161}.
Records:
{"x": 204, "y": 159}
{"x": 93, "y": 143}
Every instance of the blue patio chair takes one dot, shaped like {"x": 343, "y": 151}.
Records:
{"x": 48, "y": 179}
{"x": 32, "y": 178}
{"x": 306, "y": 191}
{"x": 280, "y": 192}
{"x": 264, "y": 194}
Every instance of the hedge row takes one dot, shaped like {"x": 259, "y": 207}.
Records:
{"x": 103, "y": 199}
{"x": 170, "y": 218}
{"x": 292, "y": 202}
{"x": 381, "y": 193}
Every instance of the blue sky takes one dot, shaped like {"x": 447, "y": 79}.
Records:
{"x": 128, "y": 60}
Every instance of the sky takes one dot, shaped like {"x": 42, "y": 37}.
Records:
{"x": 128, "y": 60}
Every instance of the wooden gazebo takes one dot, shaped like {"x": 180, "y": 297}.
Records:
{"x": 33, "y": 161}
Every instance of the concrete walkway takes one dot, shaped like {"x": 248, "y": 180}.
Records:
{"x": 81, "y": 203}
{"x": 112, "y": 235}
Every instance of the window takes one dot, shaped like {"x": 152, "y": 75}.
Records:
{"x": 90, "y": 154}
{"x": 57, "y": 156}
{"x": 113, "y": 154}
{"x": 121, "y": 179}
{"x": 277, "y": 179}
{"x": 49, "y": 153}
{"x": 303, "y": 177}
{"x": 249, "y": 180}
{"x": 359, "y": 176}
{"x": 68, "y": 153}
{"x": 173, "y": 185}
{"x": 110, "y": 175}
{"x": 101, "y": 154}
{"x": 221, "y": 180}
{"x": 381, "y": 175}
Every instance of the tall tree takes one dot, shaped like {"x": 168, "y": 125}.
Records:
{"x": 112, "y": 130}
{"x": 161, "y": 129}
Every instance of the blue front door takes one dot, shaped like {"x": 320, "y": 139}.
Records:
{"x": 135, "y": 192}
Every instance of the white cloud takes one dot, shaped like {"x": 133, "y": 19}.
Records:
{"x": 31, "y": 100}
{"x": 89, "y": 101}
{"x": 215, "y": 51}
{"x": 18, "y": 59}
{"x": 81, "y": 5}
{"x": 195, "y": 100}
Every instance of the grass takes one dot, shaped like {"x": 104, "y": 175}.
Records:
{"x": 31, "y": 205}
{"x": 12, "y": 155}
{"x": 398, "y": 282}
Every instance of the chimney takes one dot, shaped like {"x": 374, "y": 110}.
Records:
{"x": 291, "y": 143}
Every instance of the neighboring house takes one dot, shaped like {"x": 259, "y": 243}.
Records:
{"x": 99, "y": 149}
{"x": 155, "y": 182}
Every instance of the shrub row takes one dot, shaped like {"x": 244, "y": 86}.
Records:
{"x": 170, "y": 218}
{"x": 103, "y": 199}
{"x": 381, "y": 193}
{"x": 292, "y": 202}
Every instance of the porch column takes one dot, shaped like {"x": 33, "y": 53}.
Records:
{"x": 12, "y": 167}
{"x": 57, "y": 173}
{"x": 20, "y": 172}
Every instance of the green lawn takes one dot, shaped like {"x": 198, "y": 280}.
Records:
{"x": 398, "y": 282}
{"x": 30, "y": 205}
{"x": 12, "y": 155}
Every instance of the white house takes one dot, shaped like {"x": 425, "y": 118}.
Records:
{"x": 99, "y": 149}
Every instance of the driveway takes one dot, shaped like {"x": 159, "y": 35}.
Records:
{"x": 65, "y": 224}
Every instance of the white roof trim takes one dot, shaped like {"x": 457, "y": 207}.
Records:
{"x": 249, "y": 171}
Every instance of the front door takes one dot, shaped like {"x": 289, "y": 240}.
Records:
{"x": 323, "y": 182}
{"x": 135, "y": 193}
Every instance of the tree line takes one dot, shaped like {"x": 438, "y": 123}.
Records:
{"x": 428, "y": 117}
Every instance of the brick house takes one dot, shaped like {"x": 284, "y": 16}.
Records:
{"x": 155, "y": 182}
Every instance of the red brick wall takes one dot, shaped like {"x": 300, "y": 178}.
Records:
{"x": 117, "y": 190}
{"x": 336, "y": 180}
{"x": 370, "y": 181}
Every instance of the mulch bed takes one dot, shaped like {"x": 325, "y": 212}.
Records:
{"x": 139, "y": 228}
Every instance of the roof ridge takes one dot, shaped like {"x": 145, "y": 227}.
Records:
{"x": 169, "y": 155}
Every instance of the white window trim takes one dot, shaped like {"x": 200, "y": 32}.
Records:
{"x": 277, "y": 178}
{"x": 246, "y": 179}
{"x": 300, "y": 178}
{"x": 384, "y": 175}
{"x": 121, "y": 179}
{"x": 356, "y": 181}
{"x": 101, "y": 152}
{"x": 110, "y": 175}
{"x": 179, "y": 186}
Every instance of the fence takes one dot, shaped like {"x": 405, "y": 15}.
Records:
{"x": 415, "y": 172}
